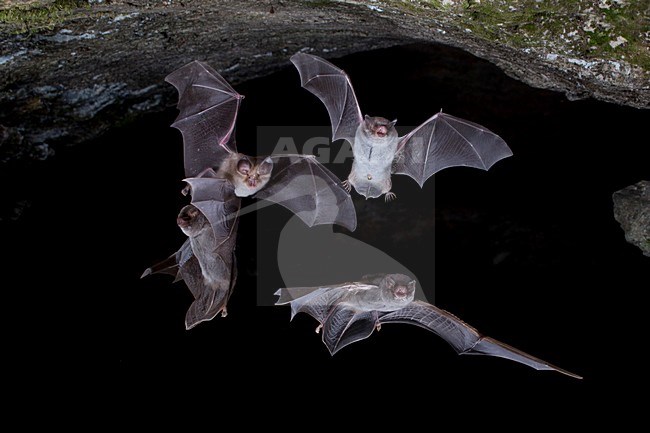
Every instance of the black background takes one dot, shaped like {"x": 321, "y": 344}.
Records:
{"x": 528, "y": 253}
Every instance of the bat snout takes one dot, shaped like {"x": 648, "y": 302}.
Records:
{"x": 381, "y": 131}
{"x": 400, "y": 292}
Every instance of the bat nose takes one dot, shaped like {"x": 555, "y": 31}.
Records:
{"x": 381, "y": 131}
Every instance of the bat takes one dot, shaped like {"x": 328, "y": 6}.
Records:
{"x": 441, "y": 141}
{"x": 350, "y": 312}
{"x": 206, "y": 261}
{"x": 208, "y": 108}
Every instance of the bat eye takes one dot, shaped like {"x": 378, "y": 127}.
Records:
{"x": 243, "y": 166}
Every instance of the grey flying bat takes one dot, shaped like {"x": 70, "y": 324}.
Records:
{"x": 442, "y": 141}
{"x": 350, "y": 312}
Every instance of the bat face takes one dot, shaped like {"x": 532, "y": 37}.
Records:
{"x": 192, "y": 221}
{"x": 251, "y": 175}
{"x": 379, "y": 127}
{"x": 397, "y": 290}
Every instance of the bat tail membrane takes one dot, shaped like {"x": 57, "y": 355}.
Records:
{"x": 491, "y": 347}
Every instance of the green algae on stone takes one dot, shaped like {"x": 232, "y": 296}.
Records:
{"x": 32, "y": 17}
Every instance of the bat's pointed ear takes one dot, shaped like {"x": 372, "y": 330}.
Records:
{"x": 366, "y": 117}
{"x": 244, "y": 166}
{"x": 411, "y": 285}
{"x": 392, "y": 124}
{"x": 266, "y": 166}
{"x": 390, "y": 283}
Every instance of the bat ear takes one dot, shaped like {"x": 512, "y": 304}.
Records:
{"x": 411, "y": 285}
{"x": 391, "y": 124}
{"x": 266, "y": 166}
{"x": 390, "y": 283}
{"x": 366, "y": 117}
{"x": 244, "y": 166}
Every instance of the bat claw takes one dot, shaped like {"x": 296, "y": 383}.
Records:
{"x": 186, "y": 190}
{"x": 378, "y": 327}
{"x": 224, "y": 312}
{"x": 318, "y": 328}
{"x": 390, "y": 196}
{"x": 346, "y": 185}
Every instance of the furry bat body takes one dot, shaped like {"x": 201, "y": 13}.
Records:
{"x": 206, "y": 261}
{"x": 350, "y": 312}
{"x": 442, "y": 141}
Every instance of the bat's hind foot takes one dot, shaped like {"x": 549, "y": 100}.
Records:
{"x": 390, "y": 196}
{"x": 346, "y": 185}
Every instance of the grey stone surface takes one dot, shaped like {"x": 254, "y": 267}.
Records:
{"x": 632, "y": 211}
{"x": 73, "y": 69}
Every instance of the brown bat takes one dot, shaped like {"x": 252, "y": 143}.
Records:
{"x": 206, "y": 261}
{"x": 350, "y": 312}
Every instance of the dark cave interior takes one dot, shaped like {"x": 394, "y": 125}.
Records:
{"x": 528, "y": 252}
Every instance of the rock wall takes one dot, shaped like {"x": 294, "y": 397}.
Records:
{"x": 71, "y": 69}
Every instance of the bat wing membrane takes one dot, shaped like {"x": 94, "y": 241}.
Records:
{"x": 333, "y": 87}
{"x": 208, "y": 108}
{"x": 308, "y": 189}
{"x": 462, "y": 337}
{"x": 447, "y": 141}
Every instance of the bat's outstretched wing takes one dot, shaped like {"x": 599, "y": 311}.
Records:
{"x": 341, "y": 323}
{"x": 208, "y": 110}
{"x": 315, "y": 301}
{"x": 332, "y": 86}
{"x": 447, "y": 141}
{"x": 462, "y": 337}
{"x": 308, "y": 189}
{"x": 171, "y": 265}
